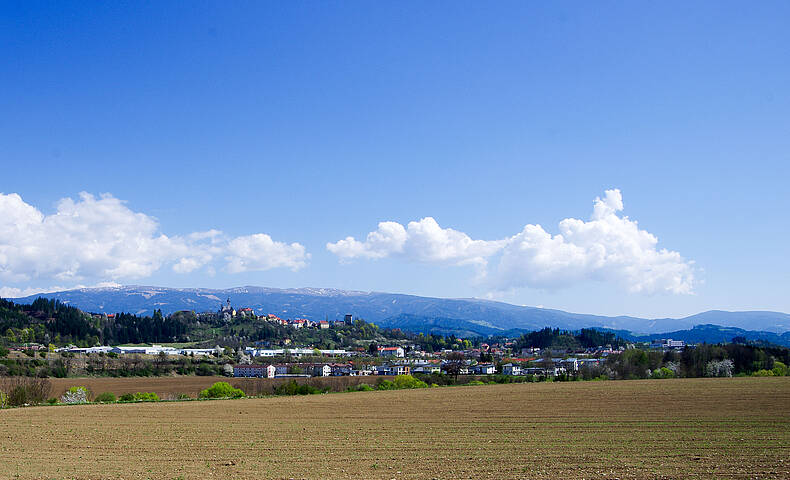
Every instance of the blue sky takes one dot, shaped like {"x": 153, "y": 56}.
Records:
{"x": 312, "y": 122}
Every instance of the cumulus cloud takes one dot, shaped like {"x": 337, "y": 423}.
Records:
{"x": 388, "y": 239}
{"x": 100, "y": 238}
{"x": 423, "y": 241}
{"x": 608, "y": 247}
{"x": 260, "y": 252}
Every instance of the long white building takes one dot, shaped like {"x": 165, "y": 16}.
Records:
{"x": 296, "y": 352}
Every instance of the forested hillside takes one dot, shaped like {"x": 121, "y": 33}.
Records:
{"x": 556, "y": 338}
{"x": 47, "y": 322}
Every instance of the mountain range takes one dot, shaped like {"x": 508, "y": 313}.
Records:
{"x": 462, "y": 317}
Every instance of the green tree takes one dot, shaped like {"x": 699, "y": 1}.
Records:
{"x": 221, "y": 390}
{"x": 407, "y": 381}
{"x": 105, "y": 397}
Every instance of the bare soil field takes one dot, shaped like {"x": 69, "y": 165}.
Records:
{"x": 171, "y": 387}
{"x": 687, "y": 428}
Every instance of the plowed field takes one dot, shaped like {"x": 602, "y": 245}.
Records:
{"x": 695, "y": 428}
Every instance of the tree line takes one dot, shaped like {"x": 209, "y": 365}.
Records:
{"x": 703, "y": 360}
{"x": 565, "y": 339}
{"x": 48, "y": 321}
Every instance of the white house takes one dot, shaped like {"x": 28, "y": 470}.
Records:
{"x": 392, "y": 352}
{"x": 322, "y": 371}
{"x": 485, "y": 369}
{"x": 427, "y": 368}
{"x": 511, "y": 369}
{"x": 393, "y": 370}
{"x": 340, "y": 369}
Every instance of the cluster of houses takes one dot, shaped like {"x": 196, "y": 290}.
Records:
{"x": 548, "y": 367}
{"x": 465, "y": 369}
{"x": 496, "y": 351}
{"x": 317, "y": 370}
{"x": 34, "y": 347}
{"x": 551, "y": 367}
{"x": 398, "y": 364}
{"x": 297, "y": 370}
{"x": 228, "y": 313}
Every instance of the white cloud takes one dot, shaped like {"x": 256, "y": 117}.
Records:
{"x": 387, "y": 240}
{"x": 188, "y": 264}
{"x": 260, "y": 252}
{"x": 102, "y": 239}
{"x": 14, "y": 292}
{"x": 428, "y": 242}
{"x": 423, "y": 241}
{"x": 608, "y": 247}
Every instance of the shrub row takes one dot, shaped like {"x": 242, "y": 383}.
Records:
{"x": 18, "y": 391}
{"x": 139, "y": 397}
{"x": 401, "y": 382}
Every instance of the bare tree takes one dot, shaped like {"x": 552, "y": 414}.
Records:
{"x": 25, "y": 390}
{"x": 455, "y": 362}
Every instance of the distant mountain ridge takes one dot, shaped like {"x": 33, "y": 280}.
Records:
{"x": 708, "y": 333}
{"x": 482, "y": 317}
